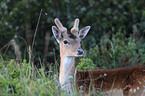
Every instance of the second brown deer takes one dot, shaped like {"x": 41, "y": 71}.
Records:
{"x": 130, "y": 80}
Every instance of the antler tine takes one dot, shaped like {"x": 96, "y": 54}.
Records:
{"x": 75, "y": 28}
{"x": 60, "y": 26}
{"x": 76, "y": 24}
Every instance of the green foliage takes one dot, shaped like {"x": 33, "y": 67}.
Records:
{"x": 86, "y": 64}
{"x": 23, "y": 79}
{"x": 118, "y": 51}
{"x": 124, "y": 18}
{"x": 111, "y": 16}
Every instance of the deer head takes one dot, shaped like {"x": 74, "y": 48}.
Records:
{"x": 70, "y": 44}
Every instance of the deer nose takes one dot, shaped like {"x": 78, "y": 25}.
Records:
{"x": 80, "y": 52}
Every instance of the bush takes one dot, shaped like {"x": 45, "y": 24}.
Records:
{"x": 119, "y": 51}
{"x": 104, "y": 16}
{"x": 86, "y": 64}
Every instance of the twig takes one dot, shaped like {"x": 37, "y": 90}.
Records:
{"x": 36, "y": 29}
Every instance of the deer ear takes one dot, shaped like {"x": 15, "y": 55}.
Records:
{"x": 56, "y": 33}
{"x": 83, "y": 32}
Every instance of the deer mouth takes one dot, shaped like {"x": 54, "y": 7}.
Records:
{"x": 78, "y": 55}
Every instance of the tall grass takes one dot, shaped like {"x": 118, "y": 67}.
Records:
{"x": 23, "y": 79}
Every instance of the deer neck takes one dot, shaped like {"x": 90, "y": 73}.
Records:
{"x": 67, "y": 68}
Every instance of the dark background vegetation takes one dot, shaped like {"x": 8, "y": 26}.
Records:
{"x": 116, "y": 38}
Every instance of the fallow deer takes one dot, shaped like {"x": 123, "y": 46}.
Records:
{"x": 130, "y": 80}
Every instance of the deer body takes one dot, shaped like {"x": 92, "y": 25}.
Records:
{"x": 130, "y": 80}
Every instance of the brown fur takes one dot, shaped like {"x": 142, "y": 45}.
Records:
{"x": 123, "y": 78}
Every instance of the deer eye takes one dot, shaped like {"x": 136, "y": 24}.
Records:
{"x": 65, "y": 42}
